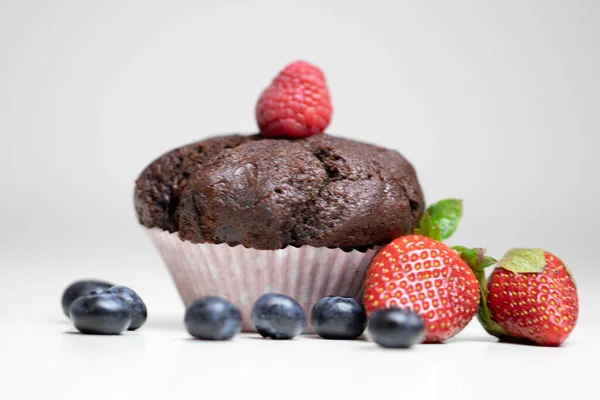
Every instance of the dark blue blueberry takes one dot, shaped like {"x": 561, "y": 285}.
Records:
{"x": 278, "y": 316}
{"x": 396, "y": 327}
{"x": 213, "y": 318}
{"x": 101, "y": 314}
{"x": 338, "y": 317}
{"x": 81, "y": 288}
{"x": 139, "y": 313}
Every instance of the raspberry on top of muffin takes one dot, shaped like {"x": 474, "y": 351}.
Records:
{"x": 290, "y": 184}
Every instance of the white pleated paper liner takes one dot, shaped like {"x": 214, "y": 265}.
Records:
{"x": 241, "y": 275}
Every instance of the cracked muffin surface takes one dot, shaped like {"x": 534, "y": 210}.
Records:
{"x": 322, "y": 191}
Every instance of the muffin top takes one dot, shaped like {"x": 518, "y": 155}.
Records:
{"x": 265, "y": 193}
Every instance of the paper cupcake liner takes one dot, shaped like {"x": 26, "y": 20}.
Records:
{"x": 241, "y": 275}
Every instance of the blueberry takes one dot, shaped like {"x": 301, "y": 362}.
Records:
{"x": 81, "y": 288}
{"x": 278, "y": 316}
{"x": 338, "y": 317}
{"x": 139, "y": 313}
{"x": 101, "y": 314}
{"x": 213, "y": 318}
{"x": 396, "y": 327}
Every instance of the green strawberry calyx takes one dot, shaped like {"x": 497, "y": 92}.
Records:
{"x": 528, "y": 261}
{"x": 441, "y": 219}
{"x": 522, "y": 261}
{"x": 478, "y": 261}
{"x": 428, "y": 229}
{"x": 446, "y": 214}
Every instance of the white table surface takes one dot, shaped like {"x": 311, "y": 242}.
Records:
{"x": 42, "y": 356}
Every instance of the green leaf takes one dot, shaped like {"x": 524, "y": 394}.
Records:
{"x": 426, "y": 228}
{"x": 523, "y": 260}
{"x": 446, "y": 214}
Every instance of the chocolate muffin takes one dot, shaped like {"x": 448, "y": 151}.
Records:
{"x": 267, "y": 194}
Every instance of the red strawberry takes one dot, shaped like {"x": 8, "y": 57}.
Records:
{"x": 531, "y": 295}
{"x": 425, "y": 275}
{"x": 296, "y": 103}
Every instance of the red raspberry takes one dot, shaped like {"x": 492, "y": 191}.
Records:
{"x": 296, "y": 104}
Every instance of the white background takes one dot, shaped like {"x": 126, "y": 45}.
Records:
{"x": 493, "y": 102}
